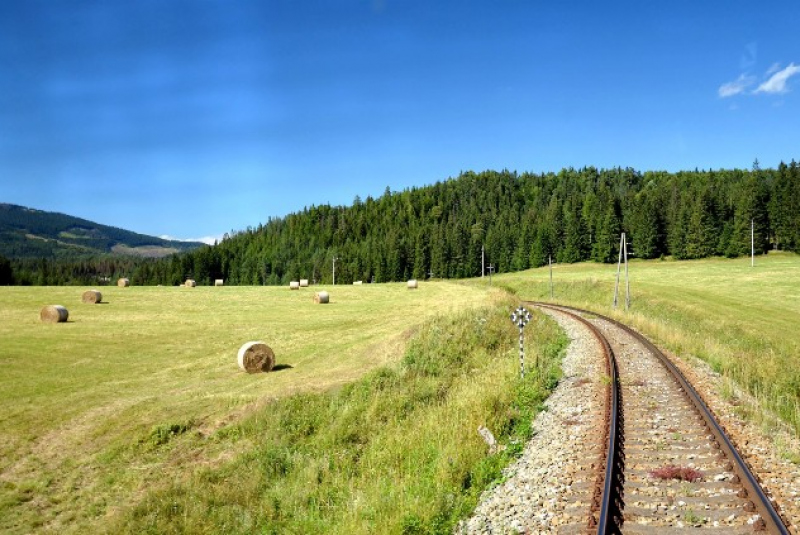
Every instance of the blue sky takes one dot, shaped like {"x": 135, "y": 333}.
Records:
{"x": 194, "y": 118}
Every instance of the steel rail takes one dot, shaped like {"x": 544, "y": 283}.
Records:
{"x": 770, "y": 518}
{"x": 609, "y": 504}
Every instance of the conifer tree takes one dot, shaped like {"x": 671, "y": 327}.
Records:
{"x": 573, "y": 249}
{"x": 606, "y": 245}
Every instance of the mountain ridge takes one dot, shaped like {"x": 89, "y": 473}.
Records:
{"x": 27, "y": 232}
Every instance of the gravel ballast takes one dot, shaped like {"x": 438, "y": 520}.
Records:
{"x": 545, "y": 490}
{"x": 549, "y": 478}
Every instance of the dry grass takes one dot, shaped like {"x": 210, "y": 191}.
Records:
{"x": 678, "y": 473}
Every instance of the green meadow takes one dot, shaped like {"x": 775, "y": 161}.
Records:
{"x": 133, "y": 416}
{"x": 140, "y": 397}
{"x": 743, "y": 320}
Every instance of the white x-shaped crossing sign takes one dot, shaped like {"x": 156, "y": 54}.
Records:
{"x": 521, "y": 317}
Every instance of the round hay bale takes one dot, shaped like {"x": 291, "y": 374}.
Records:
{"x": 123, "y": 282}
{"x": 304, "y": 283}
{"x": 256, "y": 357}
{"x": 218, "y": 282}
{"x": 190, "y": 283}
{"x": 322, "y": 298}
{"x": 357, "y": 283}
{"x": 294, "y": 285}
{"x": 412, "y": 284}
{"x": 92, "y": 296}
{"x": 54, "y": 314}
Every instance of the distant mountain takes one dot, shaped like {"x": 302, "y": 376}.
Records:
{"x": 30, "y": 233}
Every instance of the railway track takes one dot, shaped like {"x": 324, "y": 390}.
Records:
{"x": 665, "y": 464}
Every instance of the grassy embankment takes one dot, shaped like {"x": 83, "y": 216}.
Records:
{"x": 743, "y": 321}
{"x": 134, "y": 417}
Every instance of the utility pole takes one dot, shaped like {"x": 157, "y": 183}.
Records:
{"x": 550, "y": 259}
{"x": 627, "y": 281}
{"x": 619, "y": 264}
{"x": 482, "y": 262}
{"x": 752, "y": 244}
{"x": 334, "y": 270}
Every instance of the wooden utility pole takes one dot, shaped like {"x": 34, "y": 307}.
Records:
{"x": 752, "y": 244}
{"x": 334, "y": 270}
{"x": 483, "y": 262}
{"x": 619, "y": 264}
{"x": 627, "y": 281}
{"x": 550, "y": 260}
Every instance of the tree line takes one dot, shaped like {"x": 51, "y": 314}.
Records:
{"x": 518, "y": 220}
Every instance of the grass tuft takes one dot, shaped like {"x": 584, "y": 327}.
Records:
{"x": 163, "y": 433}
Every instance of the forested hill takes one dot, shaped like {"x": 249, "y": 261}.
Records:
{"x": 520, "y": 220}
{"x": 29, "y": 233}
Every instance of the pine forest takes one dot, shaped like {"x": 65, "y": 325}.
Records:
{"x": 518, "y": 221}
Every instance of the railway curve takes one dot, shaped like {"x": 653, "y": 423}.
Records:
{"x": 672, "y": 439}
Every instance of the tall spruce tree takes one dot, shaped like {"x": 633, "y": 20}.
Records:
{"x": 783, "y": 207}
{"x": 574, "y": 235}
{"x": 606, "y": 245}
{"x": 701, "y": 230}
{"x": 750, "y": 209}
{"x": 646, "y": 233}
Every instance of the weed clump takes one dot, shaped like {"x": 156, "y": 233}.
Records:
{"x": 163, "y": 433}
{"x": 679, "y": 473}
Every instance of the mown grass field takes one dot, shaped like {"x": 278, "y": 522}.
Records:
{"x": 143, "y": 391}
{"x": 744, "y": 321}
{"x": 134, "y": 418}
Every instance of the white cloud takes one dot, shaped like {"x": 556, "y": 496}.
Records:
{"x": 777, "y": 82}
{"x": 205, "y": 239}
{"x": 737, "y": 86}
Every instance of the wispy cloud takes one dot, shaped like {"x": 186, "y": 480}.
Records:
{"x": 749, "y": 56}
{"x": 777, "y": 82}
{"x": 739, "y": 85}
